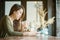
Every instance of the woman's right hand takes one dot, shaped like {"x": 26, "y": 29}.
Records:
{"x": 29, "y": 33}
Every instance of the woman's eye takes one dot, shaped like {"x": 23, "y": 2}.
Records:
{"x": 20, "y": 12}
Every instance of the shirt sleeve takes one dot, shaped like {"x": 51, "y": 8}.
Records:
{"x": 10, "y": 30}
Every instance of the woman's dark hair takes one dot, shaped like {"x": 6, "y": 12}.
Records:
{"x": 16, "y": 7}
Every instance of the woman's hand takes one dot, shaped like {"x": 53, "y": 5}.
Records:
{"x": 25, "y": 25}
{"x": 29, "y": 33}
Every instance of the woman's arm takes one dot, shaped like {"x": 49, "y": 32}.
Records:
{"x": 10, "y": 29}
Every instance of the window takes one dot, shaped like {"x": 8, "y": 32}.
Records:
{"x": 58, "y": 17}
{"x": 33, "y": 15}
{"x": 8, "y": 4}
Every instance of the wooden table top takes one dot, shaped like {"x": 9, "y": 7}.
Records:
{"x": 41, "y": 37}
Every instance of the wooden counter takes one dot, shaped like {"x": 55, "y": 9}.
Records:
{"x": 41, "y": 37}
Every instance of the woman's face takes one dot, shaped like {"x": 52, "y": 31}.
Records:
{"x": 19, "y": 13}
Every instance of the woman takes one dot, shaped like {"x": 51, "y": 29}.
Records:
{"x": 6, "y": 23}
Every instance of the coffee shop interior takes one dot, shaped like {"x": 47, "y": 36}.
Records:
{"x": 41, "y": 16}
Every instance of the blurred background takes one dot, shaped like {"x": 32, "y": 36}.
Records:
{"x": 31, "y": 13}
